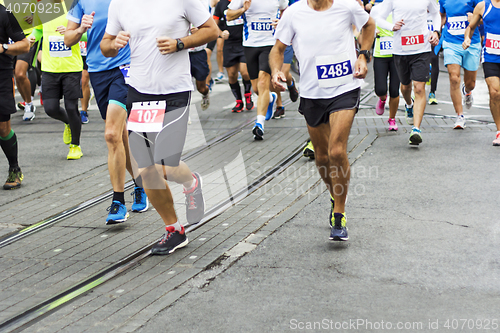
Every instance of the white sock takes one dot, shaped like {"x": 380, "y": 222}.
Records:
{"x": 193, "y": 183}
{"x": 261, "y": 120}
{"x": 409, "y": 105}
{"x": 176, "y": 225}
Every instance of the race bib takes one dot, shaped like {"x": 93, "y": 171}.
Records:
{"x": 125, "y": 69}
{"x": 334, "y": 70}
{"x": 57, "y": 48}
{"x": 412, "y": 40}
{"x": 386, "y": 45}
{"x": 457, "y": 25}
{"x": 492, "y": 44}
{"x": 430, "y": 26}
{"x": 83, "y": 48}
{"x": 264, "y": 26}
{"x": 147, "y": 116}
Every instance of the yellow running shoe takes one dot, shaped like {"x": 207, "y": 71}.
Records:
{"x": 75, "y": 152}
{"x": 67, "y": 134}
{"x": 308, "y": 150}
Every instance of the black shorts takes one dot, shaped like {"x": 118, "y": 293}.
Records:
{"x": 7, "y": 101}
{"x": 85, "y": 66}
{"x": 317, "y": 111}
{"x": 109, "y": 87}
{"x": 257, "y": 60}
{"x": 211, "y": 45}
{"x": 30, "y": 56}
{"x": 413, "y": 67}
{"x": 491, "y": 69}
{"x": 57, "y": 85}
{"x": 233, "y": 54}
{"x": 199, "y": 65}
{"x": 162, "y": 145}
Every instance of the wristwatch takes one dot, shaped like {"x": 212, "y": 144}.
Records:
{"x": 180, "y": 45}
{"x": 5, "y": 47}
{"x": 367, "y": 54}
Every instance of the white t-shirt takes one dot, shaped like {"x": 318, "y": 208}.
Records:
{"x": 150, "y": 71}
{"x": 413, "y": 38}
{"x": 257, "y": 28}
{"x": 205, "y": 3}
{"x": 324, "y": 46}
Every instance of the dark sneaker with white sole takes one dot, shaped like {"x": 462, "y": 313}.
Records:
{"x": 170, "y": 241}
{"x": 339, "y": 229}
{"x": 195, "y": 203}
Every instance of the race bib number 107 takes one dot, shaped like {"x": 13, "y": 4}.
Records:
{"x": 492, "y": 44}
{"x": 146, "y": 116}
{"x": 333, "y": 71}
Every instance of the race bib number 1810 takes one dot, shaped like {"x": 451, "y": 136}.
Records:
{"x": 333, "y": 71}
{"x": 147, "y": 116}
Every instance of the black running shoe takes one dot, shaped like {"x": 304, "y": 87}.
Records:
{"x": 170, "y": 241}
{"x": 339, "y": 230}
{"x": 258, "y": 132}
{"x": 238, "y": 107}
{"x": 294, "y": 93}
{"x": 279, "y": 113}
{"x": 248, "y": 101}
{"x": 195, "y": 204}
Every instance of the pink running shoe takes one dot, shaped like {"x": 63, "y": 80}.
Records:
{"x": 392, "y": 124}
{"x": 496, "y": 142}
{"x": 380, "y": 107}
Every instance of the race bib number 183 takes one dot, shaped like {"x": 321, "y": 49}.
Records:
{"x": 146, "y": 116}
{"x": 333, "y": 71}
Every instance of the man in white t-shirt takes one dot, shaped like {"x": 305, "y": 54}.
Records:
{"x": 330, "y": 73}
{"x": 412, "y": 50}
{"x": 158, "y": 98}
{"x": 258, "y": 38}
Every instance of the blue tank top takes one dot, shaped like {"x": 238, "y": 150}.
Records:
{"x": 491, "y": 17}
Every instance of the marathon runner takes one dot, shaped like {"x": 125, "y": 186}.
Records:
{"x": 258, "y": 39}
{"x": 9, "y": 30}
{"x": 454, "y": 14}
{"x": 234, "y": 55}
{"x": 90, "y": 17}
{"x": 85, "y": 81}
{"x": 62, "y": 74}
{"x": 489, "y": 12}
{"x": 159, "y": 96}
{"x": 412, "y": 48}
{"x": 323, "y": 40}
{"x": 290, "y": 82}
{"x": 383, "y": 66}
{"x": 434, "y": 66}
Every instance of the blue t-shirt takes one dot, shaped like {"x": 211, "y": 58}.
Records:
{"x": 456, "y": 20}
{"x": 491, "y": 17}
{"x": 95, "y": 60}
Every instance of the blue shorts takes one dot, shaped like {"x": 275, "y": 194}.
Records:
{"x": 109, "y": 88}
{"x": 467, "y": 59}
{"x": 199, "y": 65}
{"x": 288, "y": 55}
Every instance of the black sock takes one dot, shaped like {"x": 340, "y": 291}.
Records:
{"x": 248, "y": 86}
{"x": 138, "y": 181}
{"x": 119, "y": 196}
{"x": 9, "y": 147}
{"x": 236, "y": 90}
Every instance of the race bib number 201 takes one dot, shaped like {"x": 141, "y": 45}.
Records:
{"x": 412, "y": 40}
{"x": 492, "y": 44}
{"x": 146, "y": 116}
{"x": 333, "y": 71}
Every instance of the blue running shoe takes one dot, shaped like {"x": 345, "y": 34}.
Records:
{"x": 339, "y": 229}
{"x": 141, "y": 203}
{"x": 258, "y": 132}
{"x": 85, "y": 117}
{"x": 409, "y": 115}
{"x": 272, "y": 106}
{"x": 117, "y": 213}
{"x": 210, "y": 85}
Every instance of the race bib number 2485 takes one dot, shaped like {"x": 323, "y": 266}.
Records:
{"x": 333, "y": 71}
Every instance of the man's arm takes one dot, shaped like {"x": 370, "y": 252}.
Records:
{"x": 368, "y": 32}
{"x": 474, "y": 22}
{"x": 111, "y": 45}
{"x": 20, "y": 47}
{"x": 234, "y": 14}
{"x": 75, "y": 31}
{"x": 276, "y": 57}
{"x": 14, "y": 32}
{"x": 206, "y": 33}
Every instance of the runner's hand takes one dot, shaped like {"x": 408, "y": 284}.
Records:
{"x": 274, "y": 23}
{"x": 399, "y": 24}
{"x": 246, "y": 4}
{"x": 61, "y": 29}
{"x": 360, "y": 68}
{"x": 434, "y": 38}
{"x": 225, "y": 34}
{"x": 166, "y": 45}
{"x": 32, "y": 40}
{"x": 87, "y": 21}
{"x": 278, "y": 79}
{"x": 122, "y": 40}
{"x": 466, "y": 43}
{"x": 28, "y": 19}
